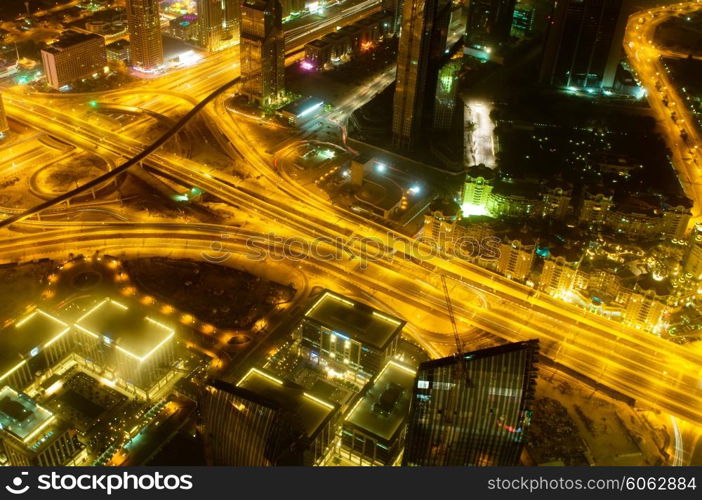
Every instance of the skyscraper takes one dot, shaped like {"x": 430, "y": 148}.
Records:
{"x": 266, "y": 421}
{"x": 422, "y": 44}
{"x": 4, "y": 126}
{"x": 210, "y": 20}
{"x": 145, "y": 40}
{"x": 472, "y": 409}
{"x": 491, "y": 18}
{"x": 232, "y": 15}
{"x": 262, "y": 51}
{"x": 583, "y": 45}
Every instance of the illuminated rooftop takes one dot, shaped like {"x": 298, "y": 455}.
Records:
{"x": 27, "y": 337}
{"x": 130, "y": 331}
{"x": 385, "y": 405}
{"x": 309, "y": 412}
{"x": 22, "y": 417}
{"x": 354, "y": 319}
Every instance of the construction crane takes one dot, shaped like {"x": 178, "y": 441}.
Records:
{"x": 449, "y": 306}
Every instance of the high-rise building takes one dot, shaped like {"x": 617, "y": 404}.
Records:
{"x": 4, "y": 126}
{"x": 75, "y": 55}
{"x": 231, "y": 20}
{"x": 583, "y": 44}
{"x": 31, "y": 435}
{"x": 262, "y": 51}
{"x": 524, "y": 20}
{"x": 146, "y": 45}
{"x": 472, "y": 409}
{"x": 490, "y": 18}
{"x": 210, "y": 20}
{"x": 422, "y": 45}
{"x": 263, "y": 421}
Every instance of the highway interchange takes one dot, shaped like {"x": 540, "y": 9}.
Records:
{"x": 384, "y": 266}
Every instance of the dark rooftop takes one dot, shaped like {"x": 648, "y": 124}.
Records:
{"x": 385, "y": 405}
{"x": 357, "y": 320}
{"x": 34, "y": 330}
{"x": 309, "y": 412}
{"x": 70, "y": 38}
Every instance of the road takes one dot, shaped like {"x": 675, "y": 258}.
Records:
{"x": 682, "y": 134}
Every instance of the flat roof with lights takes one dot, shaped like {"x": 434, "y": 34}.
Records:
{"x": 309, "y": 412}
{"x": 27, "y": 337}
{"x": 22, "y": 417}
{"x": 133, "y": 333}
{"x": 385, "y": 405}
{"x": 354, "y": 319}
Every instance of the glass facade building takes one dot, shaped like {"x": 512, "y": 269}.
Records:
{"x": 581, "y": 46}
{"x": 423, "y": 39}
{"x": 472, "y": 409}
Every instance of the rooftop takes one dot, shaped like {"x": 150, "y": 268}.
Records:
{"x": 354, "y": 319}
{"x": 385, "y": 405}
{"x": 133, "y": 333}
{"x": 22, "y": 416}
{"x": 69, "y": 38}
{"x": 119, "y": 44}
{"x": 303, "y": 107}
{"x": 309, "y": 413}
{"x": 26, "y": 337}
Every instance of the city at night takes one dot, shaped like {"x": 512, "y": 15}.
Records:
{"x": 459, "y": 240}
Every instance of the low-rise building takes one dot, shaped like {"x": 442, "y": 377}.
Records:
{"x": 31, "y": 435}
{"x": 118, "y": 51}
{"x": 347, "y": 336}
{"x": 373, "y": 432}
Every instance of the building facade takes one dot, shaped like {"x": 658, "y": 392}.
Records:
{"x": 74, "y": 56}
{"x": 580, "y": 44}
{"x": 516, "y": 259}
{"x": 490, "y": 18}
{"x": 237, "y": 424}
